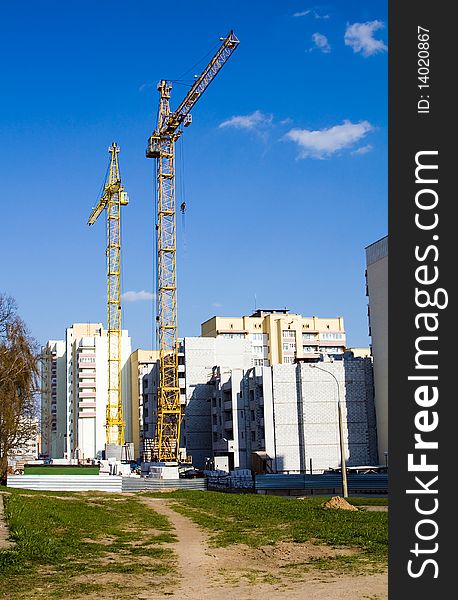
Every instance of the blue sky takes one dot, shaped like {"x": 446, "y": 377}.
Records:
{"x": 283, "y": 170}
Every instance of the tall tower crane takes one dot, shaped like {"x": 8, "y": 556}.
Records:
{"x": 161, "y": 146}
{"x": 111, "y": 201}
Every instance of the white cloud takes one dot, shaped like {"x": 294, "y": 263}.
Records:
{"x": 137, "y": 296}
{"x": 363, "y": 149}
{"x": 255, "y": 120}
{"x": 325, "y": 142}
{"x": 321, "y": 42}
{"x": 217, "y": 305}
{"x": 304, "y": 13}
{"x": 360, "y": 37}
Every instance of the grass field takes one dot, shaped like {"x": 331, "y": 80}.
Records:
{"x": 73, "y": 544}
{"x": 63, "y": 539}
{"x": 58, "y": 470}
{"x": 258, "y": 520}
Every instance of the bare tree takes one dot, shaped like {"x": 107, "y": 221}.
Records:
{"x": 18, "y": 382}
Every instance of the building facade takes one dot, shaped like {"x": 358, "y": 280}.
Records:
{"x": 142, "y": 363}
{"x": 377, "y": 292}
{"x": 278, "y": 337}
{"x": 198, "y": 357}
{"x": 289, "y": 415}
{"x": 53, "y": 398}
{"x": 74, "y": 396}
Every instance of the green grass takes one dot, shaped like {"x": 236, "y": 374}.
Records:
{"x": 258, "y": 520}
{"x": 58, "y": 539}
{"x": 57, "y": 470}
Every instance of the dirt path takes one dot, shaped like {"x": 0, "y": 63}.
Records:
{"x": 242, "y": 573}
{"x": 5, "y": 543}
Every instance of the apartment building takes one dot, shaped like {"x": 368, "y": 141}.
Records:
{"x": 198, "y": 356}
{"x": 288, "y": 414}
{"x": 75, "y": 382}
{"x": 279, "y": 337}
{"x": 377, "y": 293}
{"x": 53, "y": 398}
{"x": 142, "y": 363}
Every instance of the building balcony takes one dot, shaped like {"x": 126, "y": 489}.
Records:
{"x": 86, "y": 394}
{"x": 86, "y": 415}
{"x": 228, "y": 425}
{"x": 87, "y": 375}
{"x": 86, "y": 404}
{"x": 227, "y": 405}
{"x": 86, "y": 384}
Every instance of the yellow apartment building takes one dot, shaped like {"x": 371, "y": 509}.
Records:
{"x": 279, "y": 337}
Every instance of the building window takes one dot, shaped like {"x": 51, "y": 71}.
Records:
{"x": 258, "y": 362}
{"x": 309, "y": 349}
{"x": 332, "y": 336}
{"x": 308, "y": 336}
{"x": 288, "y": 333}
{"x": 257, "y": 349}
{"x": 253, "y": 436}
{"x": 289, "y": 346}
{"x": 288, "y": 360}
{"x": 232, "y": 336}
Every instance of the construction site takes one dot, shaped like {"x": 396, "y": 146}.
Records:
{"x": 206, "y": 322}
{"x": 271, "y": 393}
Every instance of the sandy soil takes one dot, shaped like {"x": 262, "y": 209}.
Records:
{"x": 243, "y": 573}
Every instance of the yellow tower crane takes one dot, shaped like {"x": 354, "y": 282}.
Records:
{"x": 161, "y": 146}
{"x": 112, "y": 199}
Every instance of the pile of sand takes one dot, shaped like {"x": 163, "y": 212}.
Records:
{"x": 338, "y": 502}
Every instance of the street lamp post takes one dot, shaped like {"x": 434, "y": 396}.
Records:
{"x": 343, "y": 462}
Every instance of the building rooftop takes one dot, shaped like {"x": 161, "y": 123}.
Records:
{"x": 270, "y": 311}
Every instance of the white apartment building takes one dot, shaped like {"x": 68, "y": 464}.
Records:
{"x": 142, "y": 363}
{"x": 197, "y": 359}
{"x": 377, "y": 292}
{"x": 79, "y": 368}
{"x": 53, "y": 399}
{"x": 288, "y": 414}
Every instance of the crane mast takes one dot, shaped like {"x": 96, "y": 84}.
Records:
{"x": 112, "y": 199}
{"x": 161, "y": 146}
